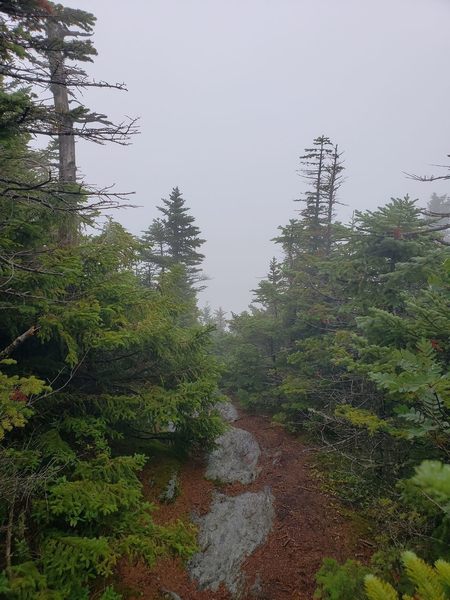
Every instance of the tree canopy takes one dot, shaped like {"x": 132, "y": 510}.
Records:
{"x": 92, "y": 361}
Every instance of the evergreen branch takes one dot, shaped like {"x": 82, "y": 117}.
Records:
{"x": 14, "y": 265}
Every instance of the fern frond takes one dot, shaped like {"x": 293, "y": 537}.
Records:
{"x": 376, "y": 589}
{"x": 443, "y": 571}
{"x": 424, "y": 576}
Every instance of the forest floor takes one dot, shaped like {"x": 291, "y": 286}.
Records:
{"x": 309, "y": 524}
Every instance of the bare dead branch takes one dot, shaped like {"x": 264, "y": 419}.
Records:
{"x": 24, "y": 74}
{"x": 19, "y": 341}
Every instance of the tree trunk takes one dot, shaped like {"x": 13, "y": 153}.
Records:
{"x": 66, "y": 138}
{"x": 319, "y": 184}
{"x": 332, "y": 195}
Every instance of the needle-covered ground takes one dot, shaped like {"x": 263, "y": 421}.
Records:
{"x": 309, "y": 524}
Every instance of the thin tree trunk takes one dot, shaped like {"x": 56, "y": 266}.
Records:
{"x": 331, "y": 196}
{"x": 319, "y": 184}
{"x": 66, "y": 138}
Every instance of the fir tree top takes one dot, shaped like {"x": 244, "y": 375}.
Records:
{"x": 182, "y": 236}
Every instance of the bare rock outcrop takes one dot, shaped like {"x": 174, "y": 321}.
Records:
{"x": 231, "y": 531}
{"x": 227, "y": 411}
{"x": 235, "y": 458}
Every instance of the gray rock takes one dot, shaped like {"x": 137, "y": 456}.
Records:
{"x": 230, "y": 532}
{"x": 227, "y": 411}
{"x": 235, "y": 457}
{"x": 172, "y": 489}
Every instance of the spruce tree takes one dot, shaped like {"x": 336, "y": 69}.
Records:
{"x": 42, "y": 47}
{"x": 206, "y": 316}
{"x": 220, "y": 320}
{"x": 88, "y": 357}
{"x": 173, "y": 240}
{"x": 321, "y": 168}
{"x": 269, "y": 291}
{"x": 332, "y": 184}
{"x": 313, "y": 171}
{"x": 154, "y": 257}
{"x": 437, "y": 206}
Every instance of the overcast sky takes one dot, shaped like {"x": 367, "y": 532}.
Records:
{"x": 229, "y": 92}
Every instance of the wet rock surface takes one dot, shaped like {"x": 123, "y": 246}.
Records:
{"x": 235, "y": 459}
{"x": 233, "y": 528}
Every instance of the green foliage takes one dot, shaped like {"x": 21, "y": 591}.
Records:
{"x": 69, "y": 562}
{"x": 179, "y": 538}
{"x": 110, "y": 594}
{"x": 360, "y": 417}
{"x": 104, "y": 364}
{"x": 172, "y": 241}
{"x": 432, "y": 479}
{"x": 353, "y": 580}
{"x": 340, "y": 582}
{"x": 428, "y": 492}
{"x": 379, "y": 590}
{"x": 16, "y": 397}
{"x": 419, "y": 381}
{"x": 81, "y": 501}
{"x": 350, "y": 341}
{"x": 429, "y": 583}
{"x": 26, "y": 582}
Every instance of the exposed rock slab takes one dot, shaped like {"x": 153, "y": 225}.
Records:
{"x": 231, "y": 531}
{"x": 235, "y": 457}
{"x": 227, "y": 411}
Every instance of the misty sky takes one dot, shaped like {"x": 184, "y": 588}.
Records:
{"x": 229, "y": 92}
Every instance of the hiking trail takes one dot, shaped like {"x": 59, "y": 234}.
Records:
{"x": 264, "y": 521}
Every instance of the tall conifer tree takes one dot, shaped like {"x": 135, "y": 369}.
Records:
{"x": 313, "y": 170}
{"x": 173, "y": 240}
{"x": 321, "y": 168}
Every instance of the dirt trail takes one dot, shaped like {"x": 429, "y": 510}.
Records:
{"x": 309, "y": 525}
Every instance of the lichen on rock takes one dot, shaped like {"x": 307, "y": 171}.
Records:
{"x": 231, "y": 531}
{"x": 227, "y": 411}
{"x": 235, "y": 457}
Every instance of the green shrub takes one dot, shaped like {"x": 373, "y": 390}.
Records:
{"x": 340, "y": 582}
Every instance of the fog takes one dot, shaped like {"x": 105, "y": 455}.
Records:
{"x": 229, "y": 93}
